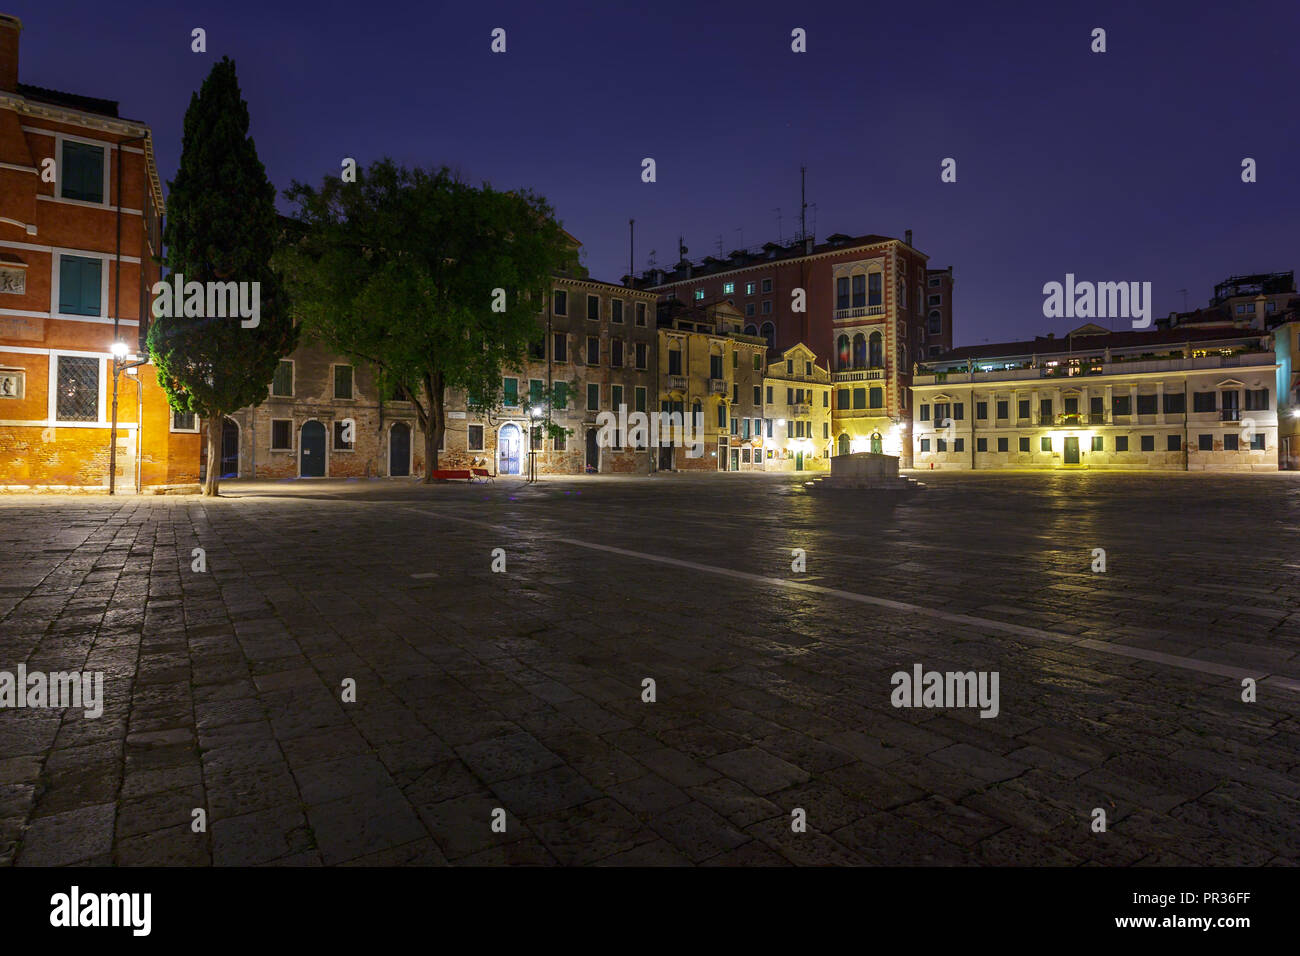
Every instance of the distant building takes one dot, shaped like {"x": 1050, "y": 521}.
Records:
{"x": 1196, "y": 399}
{"x": 936, "y": 337}
{"x": 798, "y": 409}
{"x": 1244, "y": 302}
{"x": 74, "y": 175}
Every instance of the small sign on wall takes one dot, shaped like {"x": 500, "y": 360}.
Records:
{"x": 13, "y": 281}
{"x": 11, "y": 383}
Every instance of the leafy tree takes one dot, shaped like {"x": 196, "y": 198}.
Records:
{"x": 221, "y": 228}
{"x": 434, "y": 282}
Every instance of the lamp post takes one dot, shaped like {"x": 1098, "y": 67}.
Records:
{"x": 535, "y": 414}
{"x": 119, "y": 350}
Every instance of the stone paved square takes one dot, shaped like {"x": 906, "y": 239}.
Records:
{"x": 522, "y": 691}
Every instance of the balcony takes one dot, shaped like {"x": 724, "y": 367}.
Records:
{"x": 676, "y": 383}
{"x": 851, "y": 313}
{"x": 1071, "y": 418}
{"x": 1029, "y": 372}
{"x": 1230, "y": 415}
{"x": 717, "y": 386}
{"x": 859, "y": 375}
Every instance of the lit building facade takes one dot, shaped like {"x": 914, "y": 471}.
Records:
{"x": 81, "y": 211}
{"x": 797, "y": 427}
{"x": 1187, "y": 399}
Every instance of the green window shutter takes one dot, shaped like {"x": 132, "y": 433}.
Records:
{"x": 79, "y": 285}
{"x": 535, "y": 391}
{"x": 510, "y": 387}
{"x": 561, "y": 396}
{"x": 83, "y": 172}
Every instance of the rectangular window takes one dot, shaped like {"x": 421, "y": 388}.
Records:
{"x": 925, "y": 444}
{"x": 767, "y": 306}
{"x": 826, "y": 398}
{"x": 184, "y": 422}
{"x": 722, "y": 415}
{"x": 1098, "y": 443}
{"x": 735, "y": 425}
{"x": 615, "y": 396}
{"x": 758, "y": 395}
{"x": 593, "y": 350}
{"x": 842, "y": 292}
{"x": 1071, "y": 405}
{"x": 1121, "y": 405}
{"x": 640, "y": 314}
{"x": 826, "y": 430}
{"x": 1203, "y": 402}
{"x": 616, "y": 310}
{"x": 536, "y": 391}
{"x": 474, "y": 438}
{"x": 1022, "y": 409}
{"x": 959, "y": 444}
{"x": 699, "y": 295}
{"x": 874, "y": 295}
{"x": 1256, "y": 399}
{"x": 80, "y": 282}
{"x": 510, "y": 391}
{"x": 1205, "y": 443}
{"x": 1175, "y": 403}
{"x": 767, "y": 285}
{"x": 1045, "y": 410}
{"x": 735, "y": 394}
{"x": 749, "y": 288}
{"x": 758, "y": 362}
{"x": 640, "y": 355}
{"x": 958, "y": 411}
{"x": 877, "y": 398}
{"x": 78, "y": 389}
{"x": 282, "y": 383}
{"x": 674, "y": 361}
{"x": 981, "y": 444}
{"x": 925, "y": 413}
{"x": 769, "y": 428}
{"x": 859, "y": 291}
{"x": 981, "y": 411}
{"x": 560, "y": 347}
{"x": 735, "y": 359}
{"x": 639, "y": 397}
{"x": 1024, "y": 444}
{"x": 281, "y": 434}
{"x": 1045, "y": 443}
{"x": 1257, "y": 438}
{"x": 1003, "y": 410}
{"x": 616, "y": 353}
{"x": 560, "y": 399}
{"x": 941, "y": 413}
{"x": 341, "y": 432}
{"x": 1121, "y": 443}
{"x": 1002, "y": 444}
{"x": 82, "y": 172}
{"x": 715, "y": 366}
{"x": 842, "y": 399}
{"x": 859, "y": 398}
{"x": 1230, "y": 442}
{"x": 593, "y": 308}
{"x": 1147, "y": 442}
{"x": 1146, "y": 404}
{"x": 1096, "y": 408}
{"x": 593, "y": 396}
{"x": 562, "y": 440}
{"x": 1174, "y": 443}
{"x": 560, "y": 302}
{"x": 537, "y": 348}
{"x": 941, "y": 444}
{"x": 728, "y": 288}
{"x": 343, "y": 381}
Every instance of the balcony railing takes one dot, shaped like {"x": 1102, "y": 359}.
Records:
{"x": 859, "y": 375}
{"x": 1028, "y": 372}
{"x": 717, "y": 386}
{"x": 676, "y": 383}
{"x": 1230, "y": 414}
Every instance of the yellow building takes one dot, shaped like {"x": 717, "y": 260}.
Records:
{"x": 1286, "y": 348}
{"x": 712, "y": 372}
{"x": 797, "y": 409}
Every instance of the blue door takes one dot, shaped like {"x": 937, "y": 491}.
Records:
{"x": 313, "y": 451}
{"x": 508, "y": 448}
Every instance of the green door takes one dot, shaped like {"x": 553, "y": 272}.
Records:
{"x": 798, "y": 461}
{"x": 1071, "y": 450}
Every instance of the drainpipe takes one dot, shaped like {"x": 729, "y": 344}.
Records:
{"x": 117, "y": 299}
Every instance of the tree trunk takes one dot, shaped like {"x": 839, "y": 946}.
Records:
{"x": 436, "y": 424}
{"x": 212, "y": 481}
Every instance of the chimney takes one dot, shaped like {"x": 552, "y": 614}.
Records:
{"x": 907, "y": 237}
{"x": 10, "y": 27}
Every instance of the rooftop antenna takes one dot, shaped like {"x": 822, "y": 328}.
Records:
{"x": 631, "y": 250}
{"x": 652, "y": 260}
{"x": 719, "y": 245}
{"x": 803, "y": 202}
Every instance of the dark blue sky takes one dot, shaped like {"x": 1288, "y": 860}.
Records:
{"x": 1122, "y": 166}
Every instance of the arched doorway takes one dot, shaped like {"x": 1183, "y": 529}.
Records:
{"x": 876, "y": 444}
{"x": 843, "y": 445}
{"x": 311, "y": 460}
{"x": 229, "y": 449}
{"x": 399, "y": 450}
{"x": 509, "y": 447}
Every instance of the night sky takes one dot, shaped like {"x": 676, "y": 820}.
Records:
{"x": 1117, "y": 166}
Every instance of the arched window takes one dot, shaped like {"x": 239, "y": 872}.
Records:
{"x": 902, "y": 359}
{"x": 859, "y": 351}
{"x": 842, "y": 348}
{"x": 844, "y": 444}
{"x": 751, "y": 330}
{"x": 769, "y": 333}
{"x": 697, "y": 413}
{"x": 936, "y": 322}
{"x": 877, "y": 351}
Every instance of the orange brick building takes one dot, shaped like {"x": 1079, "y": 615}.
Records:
{"x": 81, "y": 211}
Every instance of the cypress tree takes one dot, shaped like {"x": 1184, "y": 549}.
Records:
{"x": 221, "y": 227}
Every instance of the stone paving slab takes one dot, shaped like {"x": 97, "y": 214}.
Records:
{"x": 519, "y": 694}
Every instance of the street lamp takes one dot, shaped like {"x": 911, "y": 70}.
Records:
{"x": 535, "y": 413}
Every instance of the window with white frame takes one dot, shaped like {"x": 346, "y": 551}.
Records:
{"x": 76, "y": 389}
